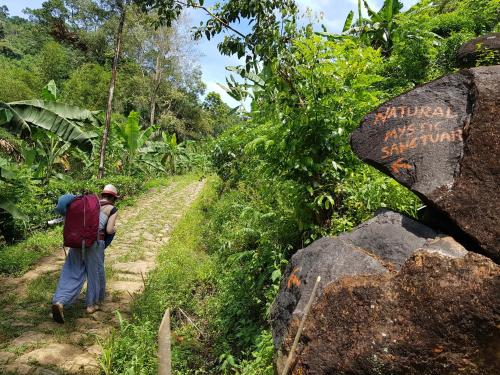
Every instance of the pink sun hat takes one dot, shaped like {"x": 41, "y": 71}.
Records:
{"x": 111, "y": 190}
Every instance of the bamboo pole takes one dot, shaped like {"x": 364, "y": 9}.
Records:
{"x": 164, "y": 354}
{"x": 301, "y": 327}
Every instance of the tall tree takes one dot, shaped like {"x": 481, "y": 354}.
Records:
{"x": 161, "y": 39}
{"x": 119, "y": 35}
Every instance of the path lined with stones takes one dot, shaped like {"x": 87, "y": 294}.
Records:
{"x": 36, "y": 345}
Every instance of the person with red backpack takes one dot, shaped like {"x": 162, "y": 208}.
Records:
{"x": 88, "y": 221}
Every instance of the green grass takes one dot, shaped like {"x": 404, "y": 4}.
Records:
{"x": 18, "y": 258}
{"x": 182, "y": 273}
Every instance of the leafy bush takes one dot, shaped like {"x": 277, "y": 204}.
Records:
{"x": 250, "y": 234}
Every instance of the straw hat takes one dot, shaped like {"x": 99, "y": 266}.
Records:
{"x": 111, "y": 190}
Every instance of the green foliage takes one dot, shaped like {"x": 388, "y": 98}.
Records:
{"x": 58, "y": 118}
{"x": 270, "y": 22}
{"x": 289, "y": 176}
{"x": 220, "y": 113}
{"x": 54, "y": 62}
{"x": 87, "y": 86}
{"x": 429, "y": 36}
{"x": 260, "y": 361}
{"x": 365, "y": 191}
{"x": 133, "y": 138}
{"x": 378, "y": 30}
{"x": 50, "y": 91}
{"x": 251, "y": 232}
{"x": 18, "y": 83}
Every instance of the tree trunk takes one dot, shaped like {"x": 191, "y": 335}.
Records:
{"x": 156, "y": 85}
{"x": 109, "y": 108}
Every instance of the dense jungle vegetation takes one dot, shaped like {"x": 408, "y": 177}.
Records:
{"x": 282, "y": 173}
{"x": 62, "y": 56}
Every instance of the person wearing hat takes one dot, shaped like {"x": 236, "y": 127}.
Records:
{"x": 89, "y": 265}
{"x": 109, "y": 195}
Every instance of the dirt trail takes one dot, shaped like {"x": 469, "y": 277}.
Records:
{"x": 32, "y": 344}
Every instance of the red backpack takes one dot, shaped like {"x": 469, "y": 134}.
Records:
{"x": 81, "y": 225}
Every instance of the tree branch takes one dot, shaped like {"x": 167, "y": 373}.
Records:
{"x": 213, "y": 15}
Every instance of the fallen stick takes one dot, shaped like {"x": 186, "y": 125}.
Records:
{"x": 301, "y": 327}
{"x": 143, "y": 281}
{"x": 190, "y": 321}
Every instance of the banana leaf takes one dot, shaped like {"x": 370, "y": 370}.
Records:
{"x": 348, "y": 22}
{"x": 61, "y": 119}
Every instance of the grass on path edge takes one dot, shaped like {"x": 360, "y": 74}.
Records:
{"x": 182, "y": 272}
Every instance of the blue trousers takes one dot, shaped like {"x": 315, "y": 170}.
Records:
{"x": 76, "y": 270}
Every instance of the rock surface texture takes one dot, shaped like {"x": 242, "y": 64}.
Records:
{"x": 376, "y": 249}
{"x": 484, "y": 47}
{"x": 438, "y": 315}
{"x": 442, "y": 140}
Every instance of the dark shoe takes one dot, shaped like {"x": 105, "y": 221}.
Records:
{"x": 57, "y": 313}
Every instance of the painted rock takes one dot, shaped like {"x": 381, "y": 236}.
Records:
{"x": 481, "y": 50}
{"x": 442, "y": 140}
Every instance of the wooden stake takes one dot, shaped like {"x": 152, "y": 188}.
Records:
{"x": 301, "y": 327}
{"x": 164, "y": 354}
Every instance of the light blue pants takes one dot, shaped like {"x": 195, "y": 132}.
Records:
{"x": 76, "y": 270}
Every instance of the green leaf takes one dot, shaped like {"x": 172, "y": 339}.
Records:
{"x": 348, "y": 21}
{"x": 130, "y": 131}
{"x": 374, "y": 15}
{"x": 5, "y": 116}
{"x": 8, "y": 173}
{"x": 11, "y": 208}
{"x": 54, "y": 117}
{"x": 276, "y": 275}
{"x": 7, "y": 170}
{"x": 49, "y": 92}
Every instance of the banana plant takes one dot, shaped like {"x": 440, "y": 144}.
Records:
{"x": 9, "y": 175}
{"x": 48, "y": 152}
{"x": 167, "y": 151}
{"x": 377, "y": 30}
{"x": 133, "y": 138}
{"x": 66, "y": 121}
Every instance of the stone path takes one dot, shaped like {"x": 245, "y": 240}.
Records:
{"x": 32, "y": 344}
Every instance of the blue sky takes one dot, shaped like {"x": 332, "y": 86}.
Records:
{"x": 333, "y": 13}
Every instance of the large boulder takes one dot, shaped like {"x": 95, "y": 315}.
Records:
{"x": 330, "y": 258}
{"x": 438, "y": 315}
{"x": 442, "y": 140}
{"x": 485, "y": 47}
{"x": 377, "y": 247}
